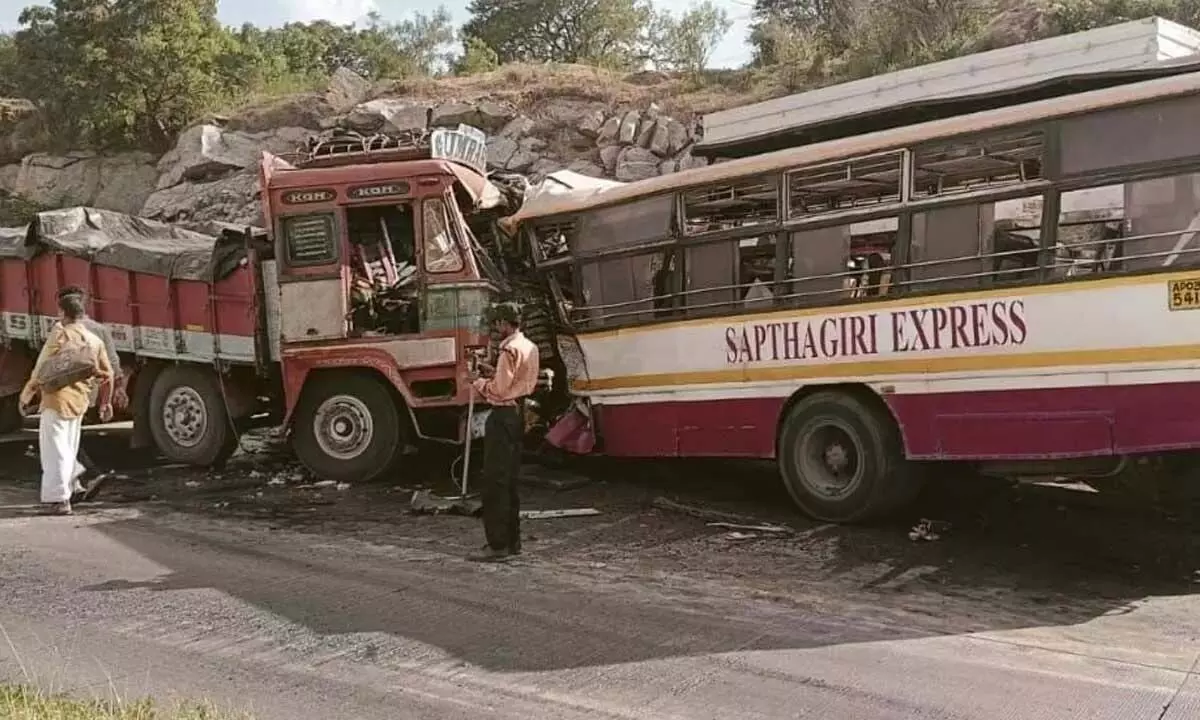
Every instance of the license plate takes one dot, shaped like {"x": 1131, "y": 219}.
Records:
{"x": 1184, "y": 294}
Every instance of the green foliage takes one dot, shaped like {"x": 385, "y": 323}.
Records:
{"x": 685, "y": 43}
{"x": 126, "y": 71}
{"x": 19, "y": 703}
{"x": 135, "y": 72}
{"x": 478, "y": 57}
{"x": 608, "y": 33}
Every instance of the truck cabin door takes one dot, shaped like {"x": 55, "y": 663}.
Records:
{"x": 312, "y": 285}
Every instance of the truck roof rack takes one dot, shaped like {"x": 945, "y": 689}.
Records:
{"x": 346, "y": 147}
{"x": 464, "y": 144}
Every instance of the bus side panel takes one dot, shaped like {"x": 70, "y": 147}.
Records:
{"x": 731, "y": 427}
{"x": 1046, "y": 423}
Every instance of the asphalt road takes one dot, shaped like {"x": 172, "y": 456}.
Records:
{"x": 141, "y": 600}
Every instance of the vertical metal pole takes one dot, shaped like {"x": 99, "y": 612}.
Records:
{"x": 470, "y": 433}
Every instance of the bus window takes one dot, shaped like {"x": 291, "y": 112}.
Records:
{"x": 948, "y": 245}
{"x": 1163, "y": 223}
{"x": 819, "y": 265}
{"x": 1090, "y": 226}
{"x": 625, "y": 225}
{"x": 620, "y": 291}
{"x": 741, "y": 203}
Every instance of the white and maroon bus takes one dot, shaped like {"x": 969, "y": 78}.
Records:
{"x": 1013, "y": 288}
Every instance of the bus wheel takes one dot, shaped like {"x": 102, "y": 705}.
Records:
{"x": 347, "y": 427}
{"x": 842, "y": 460}
{"x": 188, "y": 418}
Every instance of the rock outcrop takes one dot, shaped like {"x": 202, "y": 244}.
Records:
{"x": 211, "y": 173}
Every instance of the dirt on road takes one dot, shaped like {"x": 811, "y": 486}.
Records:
{"x": 1004, "y": 557}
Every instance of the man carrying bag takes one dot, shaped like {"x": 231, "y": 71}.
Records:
{"x": 71, "y": 362}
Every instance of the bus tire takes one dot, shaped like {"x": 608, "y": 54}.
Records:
{"x": 348, "y": 427}
{"x": 188, "y": 418}
{"x": 842, "y": 461}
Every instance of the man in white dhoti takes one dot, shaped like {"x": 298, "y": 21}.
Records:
{"x": 81, "y": 361}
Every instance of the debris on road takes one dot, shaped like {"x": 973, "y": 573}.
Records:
{"x": 342, "y": 487}
{"x": 765, "y": 528}
{"x": 325, "y": 484}
{"x": 712, "y": 516}
{"x": 928, "y": 530}
{"x": 553, "y": 479}
{"x": 424, "y": 502}
{"x": 548, "y": 514}
{"x": 276, "y": 482}
{"x": 192, "y": 483}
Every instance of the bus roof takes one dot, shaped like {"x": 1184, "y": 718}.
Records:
{"x": 781, "y": 160}
{"x": 1029, "y": 71}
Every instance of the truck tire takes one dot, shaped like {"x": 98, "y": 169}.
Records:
{"x": 188, "y": 418}
{"x": 842, "y": 461}
{"x": 348, "y": 427}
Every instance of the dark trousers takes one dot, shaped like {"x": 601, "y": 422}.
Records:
{"x": 502, "y": 444}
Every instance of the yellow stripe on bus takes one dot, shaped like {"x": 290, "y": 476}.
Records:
{"x": 910, "y": 302}
{"x": 913, "y": 366}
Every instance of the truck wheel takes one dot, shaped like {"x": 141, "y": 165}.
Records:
{"x": 347, "y": 427}
{"x": 842, "y": 460}
{"x": 188, "y": 418}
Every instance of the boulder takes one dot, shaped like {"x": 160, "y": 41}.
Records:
{"x": 307, "y": 110}
{"x": 660, "y": 139}
{"x": 346, "y": 89}
{"x": 678, "y": 136}
{"x": 387, "y": 115}
{"x": 635, "y": 163}
{"x": 120, "y": 182}
{"x": 205, "y": 152}
{"x": 608, "y": 158}
{"x": 500, "y": 150}
{"x": 609, "y": 131}
{"x": 518, "y": 127}
{"x": 487, "y": 116}
{"x": 233, "y": 199}
{"x": 590, "y": 124}
{"x": 629, "y": 128}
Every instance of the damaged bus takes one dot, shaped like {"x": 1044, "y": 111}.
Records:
{"x": 1015, "y": 289}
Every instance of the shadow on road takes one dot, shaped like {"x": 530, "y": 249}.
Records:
{"x": 638, "y": 583}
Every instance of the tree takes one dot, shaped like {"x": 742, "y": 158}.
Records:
{"x": 601, "y": 32}
{"x": 424, "y": 39}
{"x": 829, "y": 23}
{"x": 686, "y": 42}
{"x": 119, "y": 71}
{"x": 478, "y": 57}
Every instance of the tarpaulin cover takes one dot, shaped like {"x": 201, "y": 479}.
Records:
{"x": 136, "y": 244}
{"x": 12, "y": 242}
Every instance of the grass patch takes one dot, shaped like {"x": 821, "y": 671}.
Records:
{"x": 23, "y": 703}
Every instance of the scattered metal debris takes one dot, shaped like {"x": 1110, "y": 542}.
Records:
{"x": 929, "y": 530}
{"x": 424, "y": 502}
{"x": 548, "y": 514}
{"x": 764, "y": 528}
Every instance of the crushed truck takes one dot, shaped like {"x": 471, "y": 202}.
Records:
{"x": 353, "y": 321}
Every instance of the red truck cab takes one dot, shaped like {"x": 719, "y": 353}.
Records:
{"x": 382, "y": 297}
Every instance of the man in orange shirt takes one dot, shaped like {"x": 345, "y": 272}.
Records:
{"x": 514, "y": 379}
{"x": 63, "y": 408}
